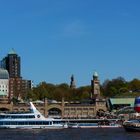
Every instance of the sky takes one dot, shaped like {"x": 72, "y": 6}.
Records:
{"x": 58, "y": 38}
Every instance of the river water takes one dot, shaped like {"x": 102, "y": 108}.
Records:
{"x": 69, "y": 134}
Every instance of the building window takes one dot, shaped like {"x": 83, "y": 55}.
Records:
{"x": 79, "y": 108}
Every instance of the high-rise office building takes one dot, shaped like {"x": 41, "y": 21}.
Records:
{"x": 12, "y": 63}
{"x": 17, "y": 86}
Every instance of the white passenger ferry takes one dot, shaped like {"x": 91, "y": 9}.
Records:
{"x": 29, "y": 120}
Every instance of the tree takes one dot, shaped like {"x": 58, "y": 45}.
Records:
{"x": 114, "y": 87}
{"x": 134, "y": 85}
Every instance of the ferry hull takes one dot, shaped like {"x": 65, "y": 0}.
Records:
{"x": 132, "y": 129}
{"x": 30, "y": 127}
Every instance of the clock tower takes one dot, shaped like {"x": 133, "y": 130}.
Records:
{"x": 95, "y": 86}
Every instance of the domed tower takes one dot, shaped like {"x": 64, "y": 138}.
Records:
{"x": 4, "y": 82}
{"x": 95, "y": 86}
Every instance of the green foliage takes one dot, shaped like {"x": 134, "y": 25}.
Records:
{"x": 111, "y": 88}
{"x": 134, "y": 85}
{"x": 57, "y": 92}
{"x": 120, "y": 88}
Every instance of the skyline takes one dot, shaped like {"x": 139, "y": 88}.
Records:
{"x": 56, "y": 39}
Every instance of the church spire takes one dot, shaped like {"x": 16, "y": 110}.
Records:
{"x": 72, "y": 83}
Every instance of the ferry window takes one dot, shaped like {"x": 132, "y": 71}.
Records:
{"x": 25, "y": 123}
{"x": 1, "y": 116}
{"x": 21, "y": 123}
{"x": 30, "y": 123}
{"x": 32, "y": 116}
{"x": 13, "y": 123}
{"x": 45, "y": 123}
{"x": 79, "y": 108}
{"x": 38, "y": 123}
{"x": 56, "y": 122}
{"x": 7, "y": 123}
{"x": 33, "y": 123}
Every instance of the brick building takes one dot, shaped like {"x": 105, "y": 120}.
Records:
{"x": 18, "y": 87}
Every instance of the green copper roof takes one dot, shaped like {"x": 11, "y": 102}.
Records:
{"x": 95, "y": 74}
{"x": 12, "y": 51}
{"x": 122, "y": 101}
{"x": 4, "y": 74}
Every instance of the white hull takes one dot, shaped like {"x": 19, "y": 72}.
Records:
{"x": 92, "y": 125}
{"x": 32, "y": 127}
{"x": 132, "y": 125}
{"x": 102, "y": 126}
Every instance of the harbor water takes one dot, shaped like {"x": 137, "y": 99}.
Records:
{"x": 69, "y": 134}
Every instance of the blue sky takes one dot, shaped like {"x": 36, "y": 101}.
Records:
{"x": 58, "y": 38}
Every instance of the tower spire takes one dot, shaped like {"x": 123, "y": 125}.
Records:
{"x": 72, "y": 83}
